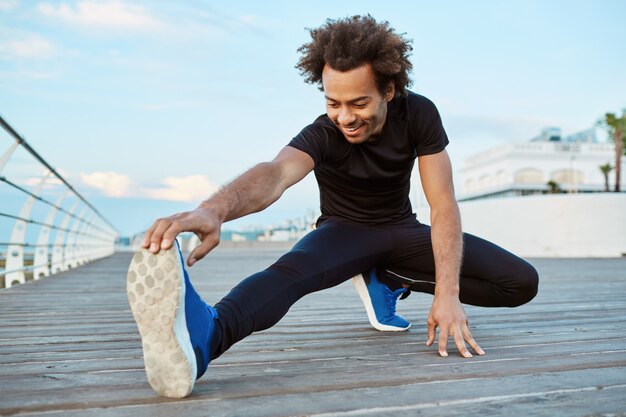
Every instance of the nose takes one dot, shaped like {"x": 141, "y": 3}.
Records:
{"x": 346, "y": 117}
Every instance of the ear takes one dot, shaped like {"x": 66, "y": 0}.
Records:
{"x": 390, "y": 93}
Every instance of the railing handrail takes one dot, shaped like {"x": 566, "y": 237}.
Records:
{"x": 32, "y": 267}
{"x": 48, "y": 202}
{"x": 49, "y": 245}
{"x": 19, "y": 139}
{"x": 51, "y": 226}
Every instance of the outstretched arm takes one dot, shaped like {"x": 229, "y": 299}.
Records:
{"x": 446, "y": 312}
{"x": 251, "y": 192}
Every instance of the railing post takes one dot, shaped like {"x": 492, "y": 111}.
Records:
{"x": 7, "y": 154}
{"x": 15, "y": 250}
{"x": 42, "y": 253}
{"x": 58, "y": 263}
{"x": 69, "y": 257}
{"x": 90, "y": 250}
{"x": 81, "y": 240}
{"x": 95, "y": 242}
{"x": 96, "y": 237}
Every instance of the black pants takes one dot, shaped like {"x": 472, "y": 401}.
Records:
{"x": 338, "y": 250}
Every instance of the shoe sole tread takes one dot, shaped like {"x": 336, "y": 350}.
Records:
{"x": 155, "y": 292}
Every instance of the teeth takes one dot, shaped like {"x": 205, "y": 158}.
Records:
{"x": 352, "y": 129}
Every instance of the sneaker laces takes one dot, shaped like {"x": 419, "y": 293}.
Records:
{"x": 391, "y": 299}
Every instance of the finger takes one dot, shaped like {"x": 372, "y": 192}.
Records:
{"x": 175, "y": 227}
{"x": 443, "y": 342}
{"x": 208, "y": 244}
{"x": 432, "y": 331}
{"x": 460, "y": 343}
{"x": 467, "y": 335}
{"x": 157, "y": 234}
{"x": 145, "y": 243}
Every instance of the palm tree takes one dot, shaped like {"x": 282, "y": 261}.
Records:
{"x": 606, "y": 168}
{"x": 617, "y": 131}
{"x": 554, "y": 186}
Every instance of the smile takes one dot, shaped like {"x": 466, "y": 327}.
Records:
{"x": 353, "y": 129}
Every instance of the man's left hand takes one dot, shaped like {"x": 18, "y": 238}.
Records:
{"x": 448, "y": 314}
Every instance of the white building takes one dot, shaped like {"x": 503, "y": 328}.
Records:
{"x": 525, "y": 168}
{"x": 507, "y": 200}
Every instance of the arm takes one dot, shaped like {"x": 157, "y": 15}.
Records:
{"x": 253, "y": 191}
{"x": 446, "y": 312}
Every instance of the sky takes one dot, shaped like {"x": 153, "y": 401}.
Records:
{"x": 147, "y": 107}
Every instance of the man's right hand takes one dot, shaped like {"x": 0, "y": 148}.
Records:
{"x": 252, "y": 191}
{"x": 202, "y": 221}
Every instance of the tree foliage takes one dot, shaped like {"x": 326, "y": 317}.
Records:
{"x": 616, "y": 126}
{"x": 606, "y": 170}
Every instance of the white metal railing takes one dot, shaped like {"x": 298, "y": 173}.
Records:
{"x": 55, "y": 228}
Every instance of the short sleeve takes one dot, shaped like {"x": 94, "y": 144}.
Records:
{"x": 427, "y": 128}
{"x": 313, "y": 140}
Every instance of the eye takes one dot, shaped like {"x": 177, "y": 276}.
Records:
{"x": 360, "y": 105}
{"x": 332, "y": 105}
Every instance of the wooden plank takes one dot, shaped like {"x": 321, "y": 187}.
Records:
{"x": 376, "y": 353}
{"x": 549, "y": 393}
{"x": 68, "y": 345}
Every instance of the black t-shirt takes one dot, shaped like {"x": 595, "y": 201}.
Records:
{"x": 369, "y": 182}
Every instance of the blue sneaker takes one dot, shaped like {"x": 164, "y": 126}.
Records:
{"x": 175, "y": 325}
{"x": 380, "y": 303}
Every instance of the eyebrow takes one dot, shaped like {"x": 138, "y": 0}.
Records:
{"x": 350, "y": 101}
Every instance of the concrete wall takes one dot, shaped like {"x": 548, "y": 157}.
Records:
{"x": 558, "y": 225}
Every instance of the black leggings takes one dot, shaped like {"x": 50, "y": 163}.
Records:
{"x": 338, "y": 250}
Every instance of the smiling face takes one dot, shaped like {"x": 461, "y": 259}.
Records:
{"x": 354, "y": 103}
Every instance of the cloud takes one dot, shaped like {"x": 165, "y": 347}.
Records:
{"x": 52, "y": 182}
{"x": 109, "y": 15}
{"x": 188, "y": 189}
{"x": 6, "y": 5}
{"x": 111, "y": 184}
{"x": 31, "y": 47}
{"x": 49, "y": 184}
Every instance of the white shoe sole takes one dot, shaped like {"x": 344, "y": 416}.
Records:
{"x": 156, "y": 293}
{"x": 361, "y": 289}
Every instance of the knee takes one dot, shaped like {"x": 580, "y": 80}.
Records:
{"x": 527, "y": 286}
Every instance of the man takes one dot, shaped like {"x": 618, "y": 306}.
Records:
{"x": 362, "y": 151}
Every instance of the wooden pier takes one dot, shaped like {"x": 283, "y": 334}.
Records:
{"x": 69, "y": 347}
